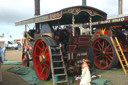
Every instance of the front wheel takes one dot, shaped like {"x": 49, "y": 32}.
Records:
{"x": 41, "y": 57}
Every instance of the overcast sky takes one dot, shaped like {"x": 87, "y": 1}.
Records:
{"x": 15, "y": 10}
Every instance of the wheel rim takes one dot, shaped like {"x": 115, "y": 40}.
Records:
{"x": 103, "y": 53}
{"x": 41, "y": 59}
{"x": 24, "y": 60}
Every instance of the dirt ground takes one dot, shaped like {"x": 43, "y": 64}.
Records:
{"x": 117, "y": 77}
{"x": 8, "y": 77}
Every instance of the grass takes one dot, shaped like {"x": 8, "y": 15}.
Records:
{"x": 50, "y": 82}
{"x": 117, "y": 71}
{"x": 46, "y": 82}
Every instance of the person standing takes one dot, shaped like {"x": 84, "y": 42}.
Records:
{"x": 3, "y": 53}
{"x": 0, "y": 56}
{"x": 85, "y": 77}
{"x": 19, "y": 46}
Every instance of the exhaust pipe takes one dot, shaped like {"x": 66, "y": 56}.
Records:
{"x": 37, "y": 13}
{"x": 83, "y": 2}
{"x": 37, "y": 7}
{"x": 120, "y": 7}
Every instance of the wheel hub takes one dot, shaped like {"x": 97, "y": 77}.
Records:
{"x": 42, "y": 58}
{"x": 102, "y": 52}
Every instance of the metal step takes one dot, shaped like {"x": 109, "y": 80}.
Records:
{"x": 62, "y": 81}
{"x": 54, "y": 46}
{"x": 59, "y": 68}
{"x": 56, "y": 55}
{"x": 57, "y": 61}
{"x": 60, "y": 74}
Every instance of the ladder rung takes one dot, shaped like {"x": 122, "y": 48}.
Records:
{"x": 54, "y": 45}
{"x": 60, "y": 74}
{"x": 125, "y": 51}
{"x": 62, "y": 81}
{"x": 122, "y": 60}
{"x": 117, "y": 46}
{"x": 57, "y": 61}
{"x": 59, "y": 68}
{"x": 56, "y": 55}
{"x": 118, "y": 50}
{"x": 125, "y": 65}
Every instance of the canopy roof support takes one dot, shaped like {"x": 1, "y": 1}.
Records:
{"x": 90, "y": 25}
{"x": 73, "y": 23}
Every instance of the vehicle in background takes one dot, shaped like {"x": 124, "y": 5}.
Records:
{"x": 11, "y": 44}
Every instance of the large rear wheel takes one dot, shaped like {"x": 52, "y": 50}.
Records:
{"x": 104, "y": 53}
{"x": 41, "y": 57}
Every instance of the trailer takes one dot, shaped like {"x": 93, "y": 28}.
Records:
{"x": 60, "y": 35}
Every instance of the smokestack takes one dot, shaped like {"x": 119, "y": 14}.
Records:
{"x": 120, "y": 7}
{"x": 37, "y": 7}
{"x": 83, "y": 2}
{"x": 37, "y": 13}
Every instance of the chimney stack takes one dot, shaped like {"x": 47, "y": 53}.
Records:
{"x": 120, "y": 7}
{"x": 83, "y": 2}
{"x": 37, "y": 7}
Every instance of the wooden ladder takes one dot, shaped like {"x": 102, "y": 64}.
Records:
{"x": 120, "y": 54}
{"x": 58, "y": 68}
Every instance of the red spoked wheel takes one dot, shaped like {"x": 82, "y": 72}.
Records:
{"x": 41, "y": 58}
{"x": 104, "y": 53}
{"x": 25, "y": 59}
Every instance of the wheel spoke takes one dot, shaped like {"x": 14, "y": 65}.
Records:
{"x": 39, "y": 66}
{"x": 42, "y": 43}
{"x": 108, "y": 58}
{"x": 42, "y": 72}
{"x": 108, "y": 52}
{"x": 109, "y": 49}
{"x": 41, "y": 49}
{"x": 97, "y": 52}
{"x": 107, "y": 46}
{"x": 46, "y": 54}
{"x": 100, "y": 44}
{"x": 97, "y": 56}
{"x": 46, "y": 50}
{"x": 106, "y": 62}
{"x": 47, "y": 68}
{"x": 96, "y": 49}
{"x": 103, "y": 44}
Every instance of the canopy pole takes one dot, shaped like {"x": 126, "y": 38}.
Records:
{"x": 73, "y": 23}
{"x": 90, "y": 25}
{"x": 25, "y": 28}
